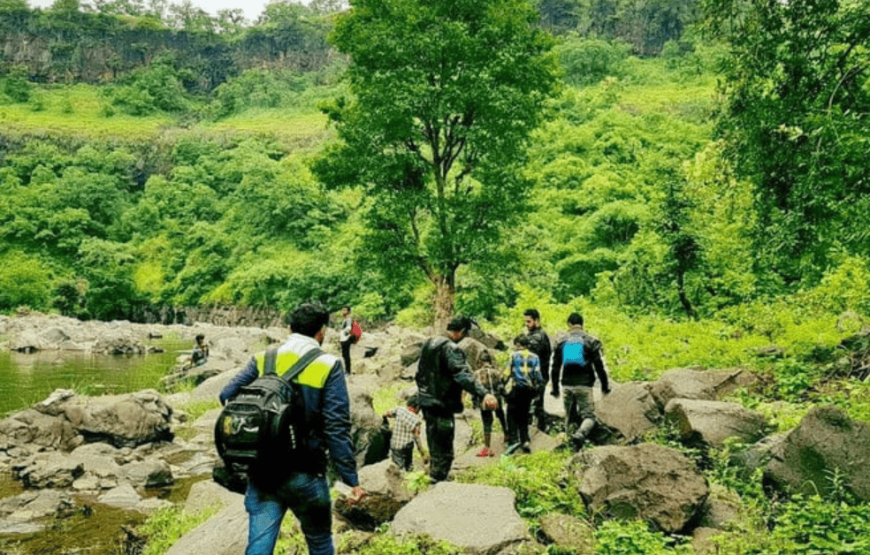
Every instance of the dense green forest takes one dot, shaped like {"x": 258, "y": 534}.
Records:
{"x": 693, "y": 176}
{"x": 727, "y": 169}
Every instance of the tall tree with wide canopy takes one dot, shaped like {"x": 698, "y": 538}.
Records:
{"x": 798, "y": 120}
{"x": 445, "y": 94}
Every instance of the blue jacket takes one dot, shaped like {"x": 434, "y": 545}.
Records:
{"x": 324, "y": 393}
{"x": 524, "y": 370}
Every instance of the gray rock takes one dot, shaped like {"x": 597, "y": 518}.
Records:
{"x": 226, "y": 533}
{"x": 712, "y": 422}
{"x": 481, "y": 520}
{"x": 568, "y": 532}
{"x": 386, "y": 494}
{"x": 208, "y": 494}
{"x": 702, "y": 541}
{"x": 27, "y": 512}
{"x": 148, "y": 473}
{"x": 825, "y": 440}
{"x": 690, "y": 383}
{"x": 630, "y": 409}
{"x": 50, "y": 470}
{"x": 645, "y": 481}
{"x": 124, "y": 496}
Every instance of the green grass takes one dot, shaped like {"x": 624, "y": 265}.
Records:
{"x": 79, "y": 111}
{"x": 76, "y": 110}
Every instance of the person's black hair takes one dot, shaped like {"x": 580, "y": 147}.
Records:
{"x": 308, "y": 318}
{"x": 522, "y": 341}
{"x": 533, "y": 313}
{"x": 199, "y": 337}
{"x": 459, "y": 323}
{"x": 413, "y": 401}
{"x": 575, "y": 319}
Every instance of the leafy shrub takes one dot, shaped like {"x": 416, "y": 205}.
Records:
{"x": 807, "y": 525}
{"x": 23, "y": 281}
{"x": 165, "y": 526}
{"x": 16, "y": 85}
{"x": 587, "y": 61}
{"x": 616, "y": 537}
{"x": 539, "y": 481}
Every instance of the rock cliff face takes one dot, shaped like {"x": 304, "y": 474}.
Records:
{"x": 94, "y": 48}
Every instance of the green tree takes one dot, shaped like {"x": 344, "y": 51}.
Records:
{"x": 446, "y": 94}
{"x": 797, "y": 120}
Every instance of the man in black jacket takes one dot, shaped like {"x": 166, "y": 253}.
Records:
{"x": 580, "y": 355}
{"x": 442, "y": 374}
{"x": 539, "y": 343}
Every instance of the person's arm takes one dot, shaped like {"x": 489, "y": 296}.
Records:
{"x": 536, "y": 375}
{"x": 247, "y": 375}
{"x": 418, "y": 440}
{"x": 600, "y": 370}
{"x": 556, "y": 369}
{"x": 337, "y": 425}
{"x": 346, "y": 328}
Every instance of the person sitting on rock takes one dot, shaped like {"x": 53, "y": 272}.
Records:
{"x": 492, "y": 381}
{"x": 406, "y": 434}
{"x": 199, "y": 356}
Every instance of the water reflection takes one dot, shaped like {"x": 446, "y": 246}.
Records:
{"x": 27, "y": 379}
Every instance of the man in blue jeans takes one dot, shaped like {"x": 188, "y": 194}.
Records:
{"x": 302, "y": 486}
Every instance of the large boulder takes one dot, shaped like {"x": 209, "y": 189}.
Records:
{"x": 481, "y": 520}
{"x": 826, "y": 440}
{"x": 121, "y": 420}
{"x": 226, "y": 533}
{"x": 629, "y": 409}
{"x": 646, "y": 481}
{"x": 386, "y": 493}
{"x": 32, "y": 511}
{"x": 712, "y": 422}
{"x": 691, "y": 383}
{"x": 31, "y": 427}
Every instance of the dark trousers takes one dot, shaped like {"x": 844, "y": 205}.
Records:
{"x": 518, "y": 415}
{"x": 440, "y": 431}
{"x": 345, "y": 354}
{"x": 486, "y": 416}
{"x": 404, "y": 457}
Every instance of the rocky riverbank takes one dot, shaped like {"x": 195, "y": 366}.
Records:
{"x": 72, "y": 453}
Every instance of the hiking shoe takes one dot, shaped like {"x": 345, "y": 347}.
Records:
{"x": 513, "y": 449}
{"x": 578, "y": 440}
{"x": 485, "y": 453}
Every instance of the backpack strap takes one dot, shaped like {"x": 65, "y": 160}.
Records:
{"x": 299, "y": 366}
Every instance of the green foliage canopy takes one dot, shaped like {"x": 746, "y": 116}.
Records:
{"x": 446, "y": 94}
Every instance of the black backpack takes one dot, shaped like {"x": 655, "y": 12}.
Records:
{"x": 261, "y": 430}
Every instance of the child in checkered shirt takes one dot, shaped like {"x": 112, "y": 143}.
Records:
{"x": 406, "y": 434}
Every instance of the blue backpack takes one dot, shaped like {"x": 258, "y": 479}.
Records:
{"x": 573, "y": 351}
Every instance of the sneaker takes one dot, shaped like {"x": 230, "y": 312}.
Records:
{"x": 513, "y": 449}
{"x": 485, "y": 452}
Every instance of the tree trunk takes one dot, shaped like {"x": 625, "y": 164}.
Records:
{"x": 443, "y": 300}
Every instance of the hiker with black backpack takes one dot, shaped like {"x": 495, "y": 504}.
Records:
{"x": 293, "y": 475}
{"x": 442, "y": 374}
{"x": 578, "y": 357}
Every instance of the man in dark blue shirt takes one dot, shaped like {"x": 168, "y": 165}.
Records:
{"x": 304, "y": 489}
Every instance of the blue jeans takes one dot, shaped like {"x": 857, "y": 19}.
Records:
{"x": 307, "y": 496}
